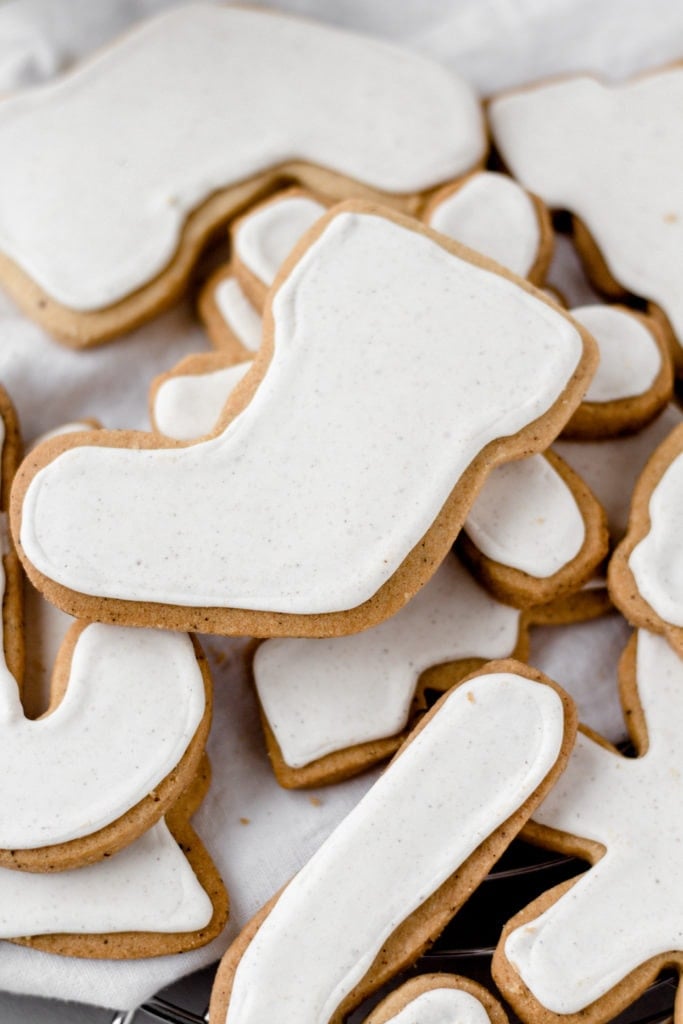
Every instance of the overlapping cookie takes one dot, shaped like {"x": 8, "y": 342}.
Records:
{"x": 439, "y": 999}
{"x": 149, "y": 146}
{"x": 392, "y": 874}
{"x": 535, "y": 533}
{"x": 492, "y": 214}
{"x": 588, "y": 948}
{"x": 331, "y": 708}
{"x": 569, "y": 140}
{"x": 158, "y": 896}
{"x": 646, "y": 571}
{"x": 358, "y": 438}
{"x": 121, "y": 740}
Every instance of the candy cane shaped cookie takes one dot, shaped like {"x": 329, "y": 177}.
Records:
{"x": 123, "y": 735}
{"x": 145, "y": 149}
{"x": 391, "y": 875}
{"x": 319, "y": 443}
{"x": 589, "y": 947}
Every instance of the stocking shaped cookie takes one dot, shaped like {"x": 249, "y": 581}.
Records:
{"x": 439, "y": 999}
{"x": 588, "y": 948}
{"x": 391, "y": 875}
{"x": 646, "y": 572}
{"x": 160, "y": 895}
{"x": 121, "y": 740}
{"x": 488, "y": 212}
{"x": 109, "y": 230}
{"x": 571, "y": 139}
{"x": 271, "y": 526}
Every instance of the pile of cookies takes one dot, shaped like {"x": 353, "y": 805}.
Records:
{"x": 403, "y": 452}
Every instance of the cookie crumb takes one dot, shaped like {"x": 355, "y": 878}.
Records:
{"x": 245, "y": 821}
{"x": 315, "y": 801}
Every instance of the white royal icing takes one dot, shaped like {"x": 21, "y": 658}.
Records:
{"x": 611, "y": 467}
{"x": 320, "y": 696}
{"x": 188, "y": 406}
{"x": 629, "y": 906}
{"x": 351, "y": 430}
{"x": 630, "y": 360}
{"x": 101, "y": 169}
{"x": 494, "y": 215}
{"x": 526, "y": 516}
{"x": 148, "y": 886}
{"x": 134, "y": 701}
{"x": 571, "y": 140}
{"x": 474, "y": 764}
{"x": 238, "y": 312}
{"x": 266, "y": 237}
{"x": 657, "y": 560}
{"x": 443, "y": 1006}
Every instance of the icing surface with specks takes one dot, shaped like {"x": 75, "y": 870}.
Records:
{"x": 103, "y": 521}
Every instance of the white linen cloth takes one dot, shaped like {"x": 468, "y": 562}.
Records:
{"x": 259, "y": 834}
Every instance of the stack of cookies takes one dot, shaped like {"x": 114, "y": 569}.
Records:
{"x": 407, "y": 448}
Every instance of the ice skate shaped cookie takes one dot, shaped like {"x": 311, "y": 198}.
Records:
{"x": 399, "y": 866}
{"x": 122, "y": 738}
{"x": 439, "y": 999}
{"x": 108, "y": 231}
{"x": 570, "y": 140}
{"x": 158, "y": 896}
{"x": 588, "y": 948}
{"x": 646, "y": 571}
{"x": 271, "y": 526}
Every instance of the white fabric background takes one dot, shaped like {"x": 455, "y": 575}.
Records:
{"x": 495, "y": 43}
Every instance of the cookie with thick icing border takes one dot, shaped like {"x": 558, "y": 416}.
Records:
{"x": 535, "y": 533}
{"x": 396, "y": 870}
{"x": 187, "y": 401}
{"x": 587, "y": 949}
{"x": 92, "y": 247}
{"x": 190, "y": 566}
{"x": 332, "y": 708}
{"x": 492, "y": 214}
{"x": 569, "y": 139}
{"x": 162, "y": 895}
{"x": 439, "y": 999}
{"x": 108, "y": 758}
{"x": 645, "y": 572}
